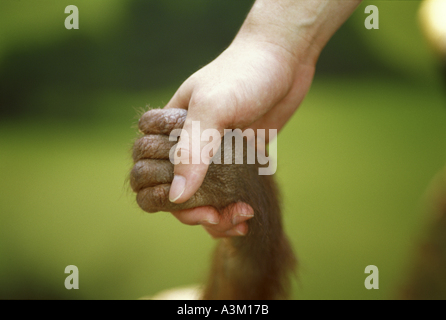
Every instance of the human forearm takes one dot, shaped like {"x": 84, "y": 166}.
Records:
{"x": 301, "y": 27}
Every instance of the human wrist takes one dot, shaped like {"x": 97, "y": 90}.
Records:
{"x": 299, "y": 27}
{"x": 295, "y": 45}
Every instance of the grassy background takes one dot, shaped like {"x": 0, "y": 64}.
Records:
{"x": 352, "y": 179}
{"x": 354, "y": 161}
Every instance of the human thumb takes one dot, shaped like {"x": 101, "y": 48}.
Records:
{"x": 193, "y": 154}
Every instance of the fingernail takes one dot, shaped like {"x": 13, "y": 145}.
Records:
{"x": 240, "y": 217}
{"x": 237, "y": 231}
{"x": 209, "y": 221}
{"x": 177, "y": 188}
{"x": 240, "y": 232}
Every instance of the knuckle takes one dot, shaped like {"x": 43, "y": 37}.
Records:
{"x": 135, "y": 176}
{"x": 149, "y": 173}
{"x": 152, "y": 147}
{"x": 161, "y": 121}
{"x": 153, "y": 199}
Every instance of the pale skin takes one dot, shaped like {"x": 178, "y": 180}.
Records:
{"x": 258, "y": 82}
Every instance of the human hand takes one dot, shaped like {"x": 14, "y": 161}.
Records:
{"x": 252, "y": 84}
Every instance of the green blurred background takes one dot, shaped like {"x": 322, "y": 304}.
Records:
{"x": 354, "y": 161}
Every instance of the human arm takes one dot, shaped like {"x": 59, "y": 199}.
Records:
{"x": 258, "y": 82}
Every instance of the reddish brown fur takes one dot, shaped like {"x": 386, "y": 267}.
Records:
{"x": 427, "y": 278}
{"x": 256, "y": 266}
